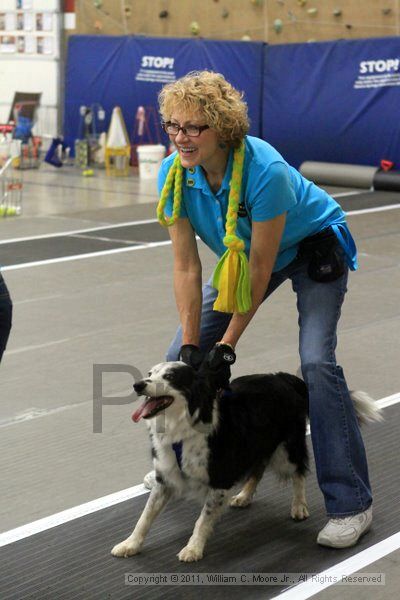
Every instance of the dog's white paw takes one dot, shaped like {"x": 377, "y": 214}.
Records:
{"x": 240, "y": 500}
{"x": 190, "y": 554}
{"x": 126, "y": 548}
{"x": 299, "y": 511}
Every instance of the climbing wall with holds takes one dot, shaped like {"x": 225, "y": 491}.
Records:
{"x": 212, "y": 19}
{"x": 318, "y": 20}
{"x": 272, "y": 21}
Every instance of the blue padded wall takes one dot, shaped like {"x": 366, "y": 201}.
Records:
{"x": 333, "y": 101}
{"x": 330, "y": 101}
{"x": 129, "y": 71}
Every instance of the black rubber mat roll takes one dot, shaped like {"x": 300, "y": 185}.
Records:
{"x": 388, "y": 181}
{"x": 342, "y": 175}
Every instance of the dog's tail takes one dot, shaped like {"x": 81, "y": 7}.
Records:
{"x": 366, "y": 408}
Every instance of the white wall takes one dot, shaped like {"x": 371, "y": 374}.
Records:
{"x": 33, "y": 72}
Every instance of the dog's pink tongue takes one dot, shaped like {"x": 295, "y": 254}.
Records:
{"x": 144, "y": 409}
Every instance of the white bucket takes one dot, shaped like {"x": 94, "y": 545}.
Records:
{"x": 4, "y": 152}
{"x": 150, "y": 158}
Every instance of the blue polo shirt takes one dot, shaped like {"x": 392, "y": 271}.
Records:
{"x": 270, "y": 187}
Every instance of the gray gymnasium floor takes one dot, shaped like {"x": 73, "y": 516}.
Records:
{"x": 90, "y": 276}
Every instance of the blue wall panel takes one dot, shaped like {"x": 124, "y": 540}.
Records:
{"x": 334, "y": 101}
{"x": 129, "y": 71}
{"x": 331, "y": 101}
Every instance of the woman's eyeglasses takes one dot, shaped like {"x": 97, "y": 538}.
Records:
{"x": 189, "y": 130}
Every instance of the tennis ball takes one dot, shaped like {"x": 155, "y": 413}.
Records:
{"x": 7, "y": 211}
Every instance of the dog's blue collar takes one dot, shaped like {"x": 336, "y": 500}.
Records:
{"x": 177, "y": 448}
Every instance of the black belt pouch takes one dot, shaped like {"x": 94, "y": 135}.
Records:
{"x": 325, "y": 256}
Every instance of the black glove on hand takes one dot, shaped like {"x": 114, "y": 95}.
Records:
{"x": 219, "y": 361}
{"x": 191, "y": 355}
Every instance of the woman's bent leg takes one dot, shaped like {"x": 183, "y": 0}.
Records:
{"x": 339, "y": 451}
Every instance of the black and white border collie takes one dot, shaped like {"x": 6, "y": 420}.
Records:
{"x": 205, "y": 441}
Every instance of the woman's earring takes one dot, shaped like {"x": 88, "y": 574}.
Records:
{"x": 222, "y": 145}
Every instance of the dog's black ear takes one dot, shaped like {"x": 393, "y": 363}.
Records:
{"x": 217, "y": 380}
{"x": 201, "y": 398}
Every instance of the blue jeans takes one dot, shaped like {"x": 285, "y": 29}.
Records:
{"x": 5, "y": 315}
{"x": 339, "y": 451}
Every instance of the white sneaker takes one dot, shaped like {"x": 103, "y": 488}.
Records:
{"x": 345, "y": 531}
{"x": 149, "y": 480}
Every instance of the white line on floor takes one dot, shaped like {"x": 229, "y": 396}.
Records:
{"x": 388, "y": 401}
{"x": 354, "y": 193}
{"x": 146, "y": 221}
{"x": 104, "y": 239}
{"x": 38, "y": 346}
{"x": 347, "y": 567}
{"x": 37, "y": 413}
{"x": 45, "y": 236}
{"x": 70, "y": 514}
{"x": 13, "y": 535}
{"x": 144, "y": 246}
{"x": 364, "y": 211}
{"x": 37, "y": 299}
{"x": 52, "y": 261}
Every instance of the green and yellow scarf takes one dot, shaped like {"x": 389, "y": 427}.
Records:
{"x": 231, "y": 276}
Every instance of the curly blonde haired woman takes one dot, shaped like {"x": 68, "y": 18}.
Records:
{"x": 266, "y": 224}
